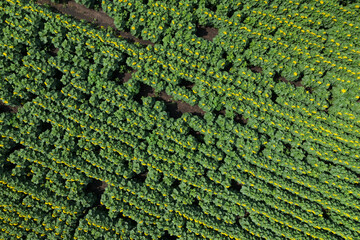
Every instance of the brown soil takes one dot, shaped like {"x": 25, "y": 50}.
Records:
{"x": 283, "y": 79}
{"x": 186, "y": 84}
{"x": 222, "y": 112}
{"x": 130, "y": 37}
{"x": 53, "y": 52}
{"x": 197, "y": 135}
{"x": 97, "y": 187}
{"x": 256, "y": 69}
{"x": 235, "y": 185}
{"x": 124, "y": 77}
{"x": 78, "y": 11}
{"x": 177, "y": 108}
{"x": 240, "y": 119}
{"x": 296, "y": 84}
{"x": 207, "y": 33}
{"x": 141, "y": 176}
{"x": 99, "y": 18}
{"x": 145, "y": 91}
{"x": 6, "y": 108}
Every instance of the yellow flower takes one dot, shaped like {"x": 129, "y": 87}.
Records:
{"x": 343, "y": 90}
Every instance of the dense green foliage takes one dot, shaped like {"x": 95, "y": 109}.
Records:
{"x": 270, "y": 158}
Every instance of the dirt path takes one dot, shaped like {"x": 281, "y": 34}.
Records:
{"x": 180, "y": 107}
{"x": 207, "y": 33}
{"x": 99, "y": 18}
{"x": 78, "y": 11}
{"x": 174, "y": 108}
{"x": 7, "y": 108}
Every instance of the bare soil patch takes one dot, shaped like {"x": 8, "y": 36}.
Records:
{"x": 79, "y": 11}
{"x": 126, "y": 76}
{"x": 186, "y": 84}
{"x": 236, "y": 186}
{"x": 123, "y": 77}
{"x": 130, "y": 37}
{"x": 145, "y": 91}
{"x": 99, "y": 18}
{"x": 7, "y": 108}
{"x": 296, "y": 84}
{"x": 174, "y": 108}
{"x": 207, "y": 33}
{"x": 97, "y": 187}
{"x": 197, "y": 135}
{"x": 240, "y": 119}
{"x": 256, "y": 69}
{"x": 178, "y": 108}
{"x": 141, "y": 177}
{"x": 221, "y": 112}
